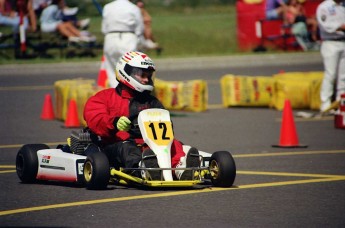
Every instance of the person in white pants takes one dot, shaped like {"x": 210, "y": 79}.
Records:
{"x": 123, "y": 27}
{"x": 331, "y": 19}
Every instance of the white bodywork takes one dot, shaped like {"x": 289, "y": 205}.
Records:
{"x": 54, "y": 164}
{"x": 155, "y": 126}
{"x": 156, "y": 130}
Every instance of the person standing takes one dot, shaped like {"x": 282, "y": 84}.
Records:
{"x": 331, "y": 19}
{"x": 123, "y": 29}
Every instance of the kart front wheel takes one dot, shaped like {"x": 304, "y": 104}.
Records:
{"x": 27, "y": 162}
{"x": 222, "y": 169}
{"x": 96, "y": 171}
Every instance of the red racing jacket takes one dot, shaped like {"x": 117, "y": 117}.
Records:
{"x": 102, "y": 111}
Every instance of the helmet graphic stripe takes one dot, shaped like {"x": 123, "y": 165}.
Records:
{"x": 136, "y": 71}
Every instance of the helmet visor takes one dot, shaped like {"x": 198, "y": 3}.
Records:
{"x": 143, "y": 76}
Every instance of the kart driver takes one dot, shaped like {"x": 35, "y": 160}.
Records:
{"x": 110, "y": 113}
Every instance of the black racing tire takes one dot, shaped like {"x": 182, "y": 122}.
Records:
{"x": 222, "y": 169}
{"x": 27, "y": 162}
{"x": 96, "y": 172}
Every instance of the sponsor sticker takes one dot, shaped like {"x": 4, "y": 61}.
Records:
{"x": 80, "y": 168}
{"x": 46, "y": 159}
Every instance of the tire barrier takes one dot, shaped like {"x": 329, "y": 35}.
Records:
{"x": 77, "y": 89}
{"x": 301, "y": 88}
{"x": 246, "y": 90}
{"x": 189, "y": 95}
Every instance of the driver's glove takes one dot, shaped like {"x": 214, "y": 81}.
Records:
{"x": 123, "y": 124}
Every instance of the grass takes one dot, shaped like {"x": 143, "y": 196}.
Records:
{"x": 190, "y": 32}
{"x": 182, "y": 32}
{"x": 190, "y": 35}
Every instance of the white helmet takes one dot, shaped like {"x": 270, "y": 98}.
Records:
{"x": 135, "y": 63}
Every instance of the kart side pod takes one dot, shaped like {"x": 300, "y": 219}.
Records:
{"x": 54, "y": 164}
{"x": 38, "y": 162}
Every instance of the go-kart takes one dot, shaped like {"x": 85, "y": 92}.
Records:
{"x": 68, "y": 163}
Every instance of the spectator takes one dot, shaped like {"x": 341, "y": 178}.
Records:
{"x": 10, "y": 11}
{"x": 68, "y": 14}
{"x": 311, "y": 23}
{"x": 295, "y": 17}
{"x": 40, "y": 5}
{"x": 275, "y": 9}
{"x": 51, "y": 21}
{"x": 331, "y": 18}
{"x": 149, "y": 40}
{"x": 123, "y": 27}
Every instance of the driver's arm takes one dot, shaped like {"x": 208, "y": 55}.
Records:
{"x": 97, "y": 115}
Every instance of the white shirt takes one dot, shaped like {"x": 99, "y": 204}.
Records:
{"x": 330, "y": 17}
{"x": 51, "y": 14}
{"x": 122, "y": 16}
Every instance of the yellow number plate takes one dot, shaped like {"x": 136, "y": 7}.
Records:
{"x": 160, "y": 133}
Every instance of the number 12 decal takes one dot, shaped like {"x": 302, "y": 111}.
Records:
{"x": 161, "y": 126}
{"x": 160, "y": 132}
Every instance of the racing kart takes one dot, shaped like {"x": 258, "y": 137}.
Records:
{"x": 69, "y": 163}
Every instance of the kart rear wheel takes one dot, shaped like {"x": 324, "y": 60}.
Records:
{"x": 96, "y": 171}
{"x": 222, "y": 169}
{"x": 27, "y": 162}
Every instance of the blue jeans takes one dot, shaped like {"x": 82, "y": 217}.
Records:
{"x": 13, "y": 22}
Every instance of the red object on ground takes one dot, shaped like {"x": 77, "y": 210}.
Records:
{"x": 47, "y": 109}
{"x": 102, "y": 75}
{"x": 72, "y": 119}
{"x": 339, "y": 117}
{"x": 288, "y": 133}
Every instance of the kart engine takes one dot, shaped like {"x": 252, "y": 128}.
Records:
{"x": 79, "y": 141}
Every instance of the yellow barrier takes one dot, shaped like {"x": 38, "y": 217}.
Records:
{"x": 182, "y": 95}
{"x": 246, "y": 90}
{"x": 66, "y": 90}
{"x": 301, "y": 88}
{"x": 83, "y": 93}
{"x": 189, "y": 95}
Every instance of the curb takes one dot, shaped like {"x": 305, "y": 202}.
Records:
{"x": 250, "y": 60}
{"x": 239, "y": 61}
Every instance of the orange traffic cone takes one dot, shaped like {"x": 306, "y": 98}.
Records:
{"x": 72, "y": 119}
{"x": 47, "y": 109}
{"x": 288, "y": 134}
{"x": 102, "y": 75}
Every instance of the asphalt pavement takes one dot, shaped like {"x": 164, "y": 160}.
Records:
{"x": 274, "y": 187}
